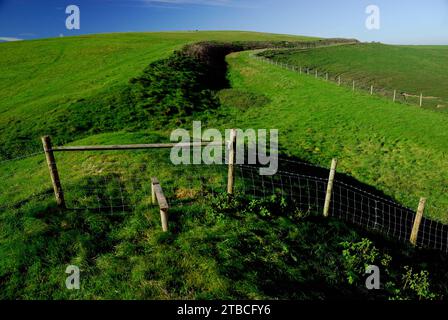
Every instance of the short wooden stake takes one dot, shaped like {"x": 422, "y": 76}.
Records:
{"x": 316, "y": 74}
{"x": 353, "y": 85}
{"x": 159, "y": 197}
{"x": 164, "y": 219}
{"x": 395, "y": 95}
{"x": 339, "y": 80}
{"x": 334, "y": 164}
{"x": 52, "y": 167}
{"x": 153, "y": 191}
{"x": 326, "y": 76}
{"x": 421, "y": 99}
{"x": 417, "y": 221}
{"x": 371, "y": 90}
{"x": 231, "y": 171}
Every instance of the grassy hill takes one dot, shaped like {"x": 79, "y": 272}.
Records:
{"x": 397, "y": 148}
{"x": 409, "y": 69}
{"x": 44, "y": 80}
{"x": 217, "y": 247}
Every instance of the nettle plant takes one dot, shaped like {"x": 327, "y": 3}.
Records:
{"x": 401, "y": 284}
{"x": 358, "y": 256}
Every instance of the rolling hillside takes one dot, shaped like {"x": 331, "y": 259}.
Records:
{"x": 218, "y": 247}
{"x": 408, "y": 69}
{"x": 397, "y": 148}
{"x": 44, "y": 80}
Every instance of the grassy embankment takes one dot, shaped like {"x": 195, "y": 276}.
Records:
{"x": 410, "y": 70}
{"x": 399, "y": 149}
{"x": 45, "y": 84}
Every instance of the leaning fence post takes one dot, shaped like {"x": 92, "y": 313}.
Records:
{"x": 334, "y": 164}
{"x": 159, "y": 197}
{"x": 153, "y": 191}
{"x": 231, "y": 171}
{"x": 58, "y": 193}
{"x": 395, "y": 95}
{"x": 417, "y": 221}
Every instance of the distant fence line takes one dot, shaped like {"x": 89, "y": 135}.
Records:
{"x": 395, "y": 95}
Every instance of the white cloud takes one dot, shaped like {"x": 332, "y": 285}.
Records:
{"x": 9, "y": 39}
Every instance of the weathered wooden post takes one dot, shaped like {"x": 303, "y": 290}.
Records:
{"x": 395, "y": 95}
{"x": 232, "y": 157}
{"x": 153, "y": 191}
{"x": 334, "y": 164}
{"x": 159, "y": 197}
{"x": 316, "y": 74}
{"x": 371, "y": 90}
{"x": 417, "y": 221}
{"x": 326, "y": 76}
{"x": 52, "y": 167}
{"x": 421, "y": 99}
{"x": 353, "y": 85}
{"x": 339, "y": 81}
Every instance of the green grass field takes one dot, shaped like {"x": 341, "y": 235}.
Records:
{"x": 44, "y": 80}
{"x": 409, "y": 69}
{"x": 217, "y": 248}
{"x": 399, "y": 149}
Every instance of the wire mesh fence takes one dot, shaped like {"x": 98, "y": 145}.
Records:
{"x": 112, "y": 182}
{"x": 348, "y": 203}
{"x": 108, "y": 182}
{"x": 120, "y": 183}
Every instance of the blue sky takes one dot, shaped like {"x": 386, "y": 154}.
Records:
{"x": 402, "y": 21}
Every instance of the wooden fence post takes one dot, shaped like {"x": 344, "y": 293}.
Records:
{"x": 334, "y": 164}
{"x": 153, "y": 191}
{"x": 421, "y": 99}
{"x": 159, "y": 197}
{"x": 231, "y": 170}
{"x": 57, "y": 188}
{"x": 417, "y": 221}
{"x": 339, "y": 80}
{"x": 371, "y": 89}
{"x": 326, "y": 76}
{"x": 395, "y": 95}
{"x": 316, "y": 74}
{"x": 353, "y": 85}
